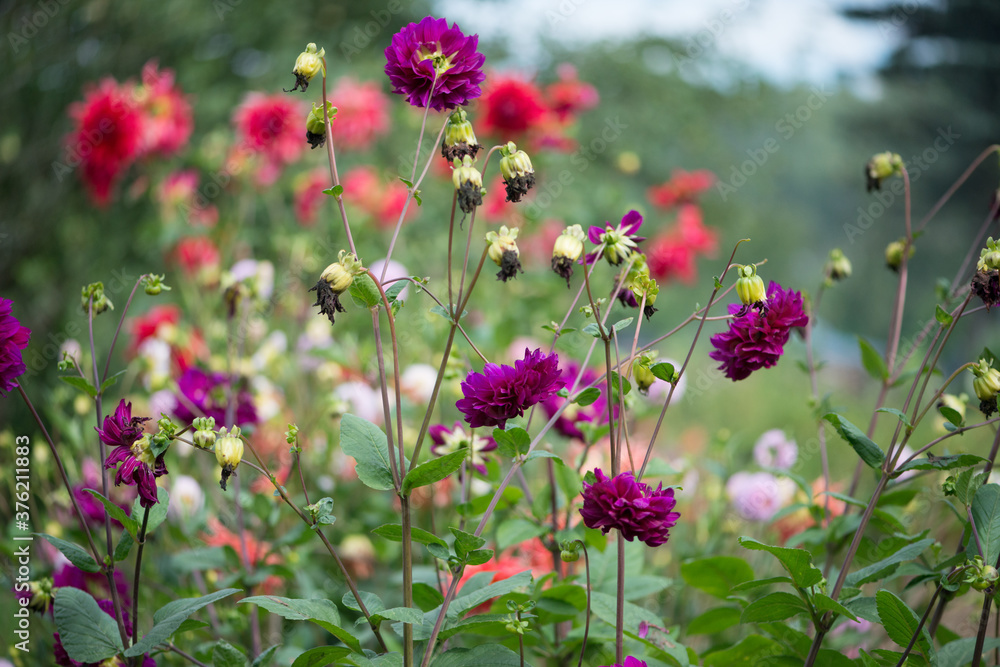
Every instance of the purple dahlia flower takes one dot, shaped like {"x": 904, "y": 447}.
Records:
{"x": 757, "y": 340}
{"x": 634, "y": 508}
{"x": 420, "y": 50}
{"x": 631, "y": 662}
{"x": 136, "y": 464}
{"x": 617, "y": 243}
{"x": 13, "y": 339}
{"x": 204, "y": 394}
{"x": 500, "y": 392}
{"x": 448, "y": 440}
{"x": 121, "y": 429}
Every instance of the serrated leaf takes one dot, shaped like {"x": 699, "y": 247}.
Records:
{"x": 797, "y": 562}
{"x": 478, "y": 556}
{"x": 366, "y": 443}
{"x": 322, "y": 612}
{"x": 225, "y": 654}
{"x": 986, "y": 515}
{"x": 900, "y": 622}
{"x": 402, "y": 614}
{"x": 759, "y": 583}
{"x": 394, "y": 533}
{"x": 873, "y": 571}
{"x": 264, "y": 659}
{"x": 716, "y": 575}
{"x": 117, "y": 513}
{"x": 773, "y": 607}
{"x": 869, "y": 452}
{"x": 321, "y": 656}
{"x": 80, "y": 383}
{"x": 433, "y": 471}
{"x": 373, "y": 603}
{"x": 87, "y": 633}
{"x": 512, "y": 442}
{"x": 872, "y": 360}
{"x": 826, "y": 603}
{"x": 466, "y": 542}
{"x": 587, "y": 396}
{"x": 942, "y": 463}
{"x": 76, "y": 554}
{"x": 961, "y": 651}
{"x": 169, "y": 617}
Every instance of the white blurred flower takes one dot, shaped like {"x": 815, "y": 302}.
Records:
{"x": 317, "y": 334}
{"x": 155, "y": 354}
{"x": 364, "y": 401}
{"x": 258, "y": 274}
{"x": 162, "y": 402}
{"x": 757, "y": 496}
{"x": 774, "y": 449}
{"x": 186, "y": 497}
{"x": 273, "y": 347}
{"x": 417, "y": 382}
{"x": 71, "y": 347}
{"x": 394, "y": 272}
{"x": 267, "y": 398}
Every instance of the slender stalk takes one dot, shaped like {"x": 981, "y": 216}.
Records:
{"x": 920, "y": 626}
{"x": 332, "y": 159}
{"x": 135, "y": 578}
{"x": 586, "y": 627}
{"x": 984, "y": 622}
{"x": 121, "y": 321}
{"x": 404, "y": 501}
{"x": 186, "y": 656}
{"x": 620, "y": 603}
{"x": 956, "y": 185}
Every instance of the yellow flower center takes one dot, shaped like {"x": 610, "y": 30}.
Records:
{"x": 441, "y": 62}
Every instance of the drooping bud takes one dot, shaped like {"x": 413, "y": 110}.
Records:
{"x": 504, "y": 253}
{"x": 316, "y": 124}
{"x": 468, "y": 184}
{"x": 750, "y": 288}
{"x": 95, "y": 292}
{"x": 518, "y": 174}
{"x": 334, "y": 281}
{"x": 837, "y": 267}
{"x": 459, "y": 138}
{"x": 204, "y": 432}
{"x": 880, "y": 167}
{"x": 986, "y": 385}
{"x": 986, "y": 281}
{"x": 894, "y": 254}
{"x": 307, "y": 65}
{"x": 229, "y": 453}
{"x": 567, "y": 249}
{"x": 644, "y": 377}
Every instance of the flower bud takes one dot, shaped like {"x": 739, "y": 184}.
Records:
{"x": 459, "y": 138}
{"x": 567, "y": 249}
{"x": 838, "y": 266}
{"x": 518, "y": 174}
{"x": 94, "y": 293}
{"x": 334, "y": 281}
{"x": 504, "y": 253}
{"x": 316, "y": 124}
{"x": 468, "y": 184}
{"x": 894, "y": 254}
{"x": 987, "y": 386}
{"x": 880, "y": 167}
{"x": 229, "y": 453}
{"x": 750, "y": 286}
{"x": 204, "y": 432}
{"x": 644, "y": 377}
{"x": 307, "y": 65}
{"x": 153, "y": 284}
{"x": 41, "y": 595}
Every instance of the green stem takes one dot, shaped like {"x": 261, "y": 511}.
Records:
{"x": 334, "y": 176}
{"x": 135, "y": 578}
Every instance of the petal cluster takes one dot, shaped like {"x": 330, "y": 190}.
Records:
{"x": 448, "y": 440}
{"x": 421, "y": 50}
{"x": 634, "y": 508}
{"x": 203, "y": 394}
{"x": 136, "y": 465}
{"x": 757, "y": 339}
{"x": 13, "y": 339}
{"x": 502, "y": 392}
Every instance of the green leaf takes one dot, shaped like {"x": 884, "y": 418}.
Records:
{"x": 663, "y": 370}
{"x": 402, "y": 614}
{"x": 758, "y": 583}
{"x": 587, "y": 396}
{"x": 80, "y": 383}
{"x": 373, "y": 603}
{"x": 364, "y": 291}
{"x": 714, "y": 621}
{"x": 967, "y": 484}
{"x": 190, "y": 624}
{"x": 321, "y": 656}
{"x": 986, "y": 515}
{"x": 433, "y": 471}
{"x": 961, "y": 651}
{"x": 621, "y": 324}
{"x": 625, "y": 384}
{"x": 875, "y": 570}
{"x": 478, "y": 556}
{"x": 943, "y": 316}
{"x": 869, "y": 452}
{"x": 798, "y": 562}
{"x": 86, "y": 632}
{"x": 75, "y": 553}
{"x": 953, "y": 416}
{"x": 900, "y": 622}
{"x": 123, "y": 547}
{"x": 826, "y": 603}
{"x": 942, "y": 463}
{"x": 592, "y": 329}
{"x": 366, "y": 443}
{"x": 749, "y": 651}
{"x": 335, "y": 191}
{"x": 872, "y": 360}
{"x": 464, "y": 603}
{"x": 111, "y": 380}
{"x": 225, "y": 654}
{"x": 484, "y": 655}
{"x": 321, "y": 612}
{"x": 773, "y": 607}
{"x": 157, "y": 513}
{"x": 170, "y": 616}
{"x": 394, "y": 533}
{"x": 440, "y": 310}
{"x": 716, "y": 575}
{"x": 426, "y": 596}
{"x": 116, "y": 512}
{"x": 604, "y": 607}
{"x": 264, "y": 659}
{"x": 512, "y": 442}
{"x": 900, "y": 415}
{"x": 515, "y": 531}
{"x": 466, "y": 542}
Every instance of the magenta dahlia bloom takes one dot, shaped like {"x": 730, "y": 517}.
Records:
{"x": 203, "y": 394}
{"x": 136, "y": 464}
{"x": 500, "y": 393}
{"x": 634, "y": 508}
{"x": 617, "y": 243}
{"x": 421, "y": 49}
{"x": 13, "y": 339}
{"x": 757, "y": 340}
{"x": 631, "y": 662}
{"x": 448, "y": 440}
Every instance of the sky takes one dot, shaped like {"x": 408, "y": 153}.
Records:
{"x": 787, "y": 42}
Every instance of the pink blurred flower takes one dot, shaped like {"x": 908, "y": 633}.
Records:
{"x": 169, "y": 120}
{"x": 683, "y": 187}
{"x": 569, "y": 95}
{"x": 757, "y": 496}
{"x": 774, "y": 449}
{"x": 308, "y": 189}
{"x": 509, "y": 107}
{"x": 362, "y": 113}
{"x": 270, "y": 127}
